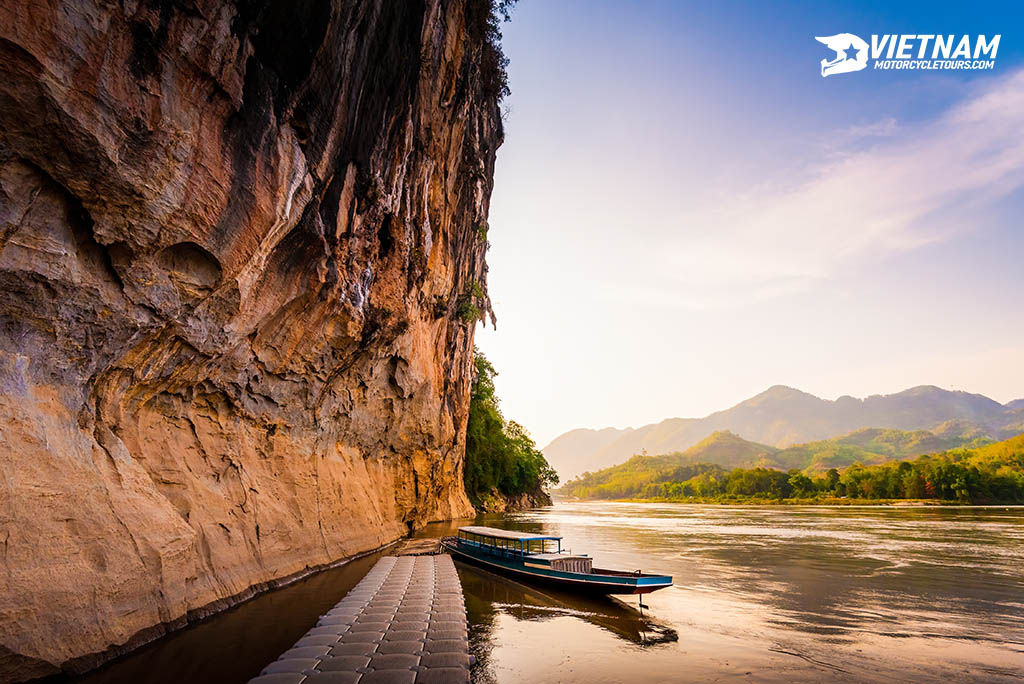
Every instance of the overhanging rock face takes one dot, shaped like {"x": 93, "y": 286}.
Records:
{"x": 233, "y": 242}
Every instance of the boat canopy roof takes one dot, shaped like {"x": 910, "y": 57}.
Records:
{"x": 504, "y": 534}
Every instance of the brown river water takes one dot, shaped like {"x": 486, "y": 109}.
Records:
{"x": 762, "y": 594}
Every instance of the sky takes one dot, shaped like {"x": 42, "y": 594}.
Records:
{"x": 685, "y": 212}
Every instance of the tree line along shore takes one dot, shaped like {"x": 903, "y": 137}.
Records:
{"x": 990, "y": 474}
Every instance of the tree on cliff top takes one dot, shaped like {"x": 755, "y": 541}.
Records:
{"x": 483, "y": 21}
{"x": 500, "y": 455}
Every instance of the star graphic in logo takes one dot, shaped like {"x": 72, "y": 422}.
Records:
{"x": 851, "y": 52}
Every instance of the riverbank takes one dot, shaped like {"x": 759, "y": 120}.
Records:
{"x": 496, "y": 502}
{"x": 991, "y": 474}
{"x": 827, "y": 501}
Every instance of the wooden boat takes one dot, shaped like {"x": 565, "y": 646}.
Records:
{"x": 540, "y": 558}
{"x": 535, "y": 601}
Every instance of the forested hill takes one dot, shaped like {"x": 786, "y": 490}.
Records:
{"x": 993, "y": 473}
{"x": 724, "y": 450}
{"x": 782, "y": 416}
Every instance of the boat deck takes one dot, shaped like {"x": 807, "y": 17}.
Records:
{"x": 404, "y": 623}
{"x": 555, "y": 556}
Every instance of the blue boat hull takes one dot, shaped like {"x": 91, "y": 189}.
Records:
{"x": 597, "y": 582}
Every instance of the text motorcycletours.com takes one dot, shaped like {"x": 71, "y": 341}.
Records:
{"x": 936, "y": 64}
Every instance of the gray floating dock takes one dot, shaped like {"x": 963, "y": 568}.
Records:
{"x": 404, "y": 623}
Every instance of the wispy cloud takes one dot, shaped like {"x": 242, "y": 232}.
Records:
{"x": 889, "y": 189}
{"x": 884, "y": 128}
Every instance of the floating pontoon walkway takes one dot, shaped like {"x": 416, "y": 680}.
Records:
{"x": 404, "y": 623}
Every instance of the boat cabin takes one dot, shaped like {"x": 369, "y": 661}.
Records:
{"x": 534, "y": 550}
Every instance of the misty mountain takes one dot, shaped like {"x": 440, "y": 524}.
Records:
{"x": 782, "y": 416}
{"x": 580, "y": 443}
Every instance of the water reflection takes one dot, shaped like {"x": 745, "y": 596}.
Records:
{"x": 235, "y": 645}
{"x": 487, "y": 592}
{"x": 801, "y": 593}
{"x": 787, "y": 594}
{"x": 490, "y": 598}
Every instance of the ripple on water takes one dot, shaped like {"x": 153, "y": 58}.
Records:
{"x": 801, "y": 593}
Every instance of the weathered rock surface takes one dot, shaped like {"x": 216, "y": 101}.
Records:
{"x": 234, "y": 236}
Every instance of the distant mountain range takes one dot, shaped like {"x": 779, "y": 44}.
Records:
{"x": 782, "y": 416}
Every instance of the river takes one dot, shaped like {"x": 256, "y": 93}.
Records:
{"x": 762, "y": 594}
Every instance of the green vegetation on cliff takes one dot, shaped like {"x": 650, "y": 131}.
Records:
{"x": 991, "y": 473}
{"x": 500, "y": 455}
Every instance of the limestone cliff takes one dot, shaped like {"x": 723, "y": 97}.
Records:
{"x": 234, "y": 240}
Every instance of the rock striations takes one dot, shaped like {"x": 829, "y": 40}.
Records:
{"x": 234, "y": 240}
